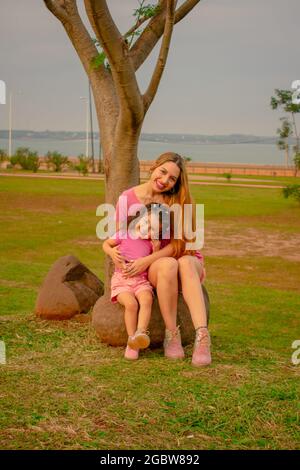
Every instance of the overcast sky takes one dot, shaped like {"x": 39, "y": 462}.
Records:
{"x": 226, "y": 59}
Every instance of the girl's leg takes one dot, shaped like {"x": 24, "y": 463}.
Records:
{"x": 141, "y": 339}
{"x": 190, "y": 272}
{"x": 145, "y": 300}
{"x": 163, "y": 276}
{"x": 131, "y": 311}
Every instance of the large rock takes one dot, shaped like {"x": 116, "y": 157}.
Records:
{"x": 108, "y": 321}
{"x": 69, "y": 288}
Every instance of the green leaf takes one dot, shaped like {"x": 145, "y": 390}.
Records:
{"x": 98, "y": 60}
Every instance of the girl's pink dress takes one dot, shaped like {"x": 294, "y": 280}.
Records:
{"x": 131, "y": 249}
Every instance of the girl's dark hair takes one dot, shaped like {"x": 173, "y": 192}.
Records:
{"x": 161, "y": 210}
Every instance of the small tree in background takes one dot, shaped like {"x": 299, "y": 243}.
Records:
{"x": 227, "y": 176}
{"x": 297, "y": 163}
{"x": 27, "y": 159}
{"x": 284, "y": 132}
{"x": 292, "y": 190}
{"x": 83, "y": 166}
{"x": 283, "y": 99}
{"x": 56, "y": 161}
{"x": 3, "y": 156}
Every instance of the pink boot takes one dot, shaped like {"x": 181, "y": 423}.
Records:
{"x": 131, "y": 354}
{"x": 172, "y": 344}
{"x": 201, "y": 354}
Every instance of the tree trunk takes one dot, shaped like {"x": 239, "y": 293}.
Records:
{"x": 287, "y": 155}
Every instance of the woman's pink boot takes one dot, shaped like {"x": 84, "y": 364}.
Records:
{"x": 172, "y": 344}
{"x": 131, "y": 354}
{"x": 201, "y": 354}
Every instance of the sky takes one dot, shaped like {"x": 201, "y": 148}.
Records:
{"x": 226, "y": 59}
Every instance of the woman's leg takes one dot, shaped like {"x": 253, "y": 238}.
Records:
{"x": 131, "y": 311}
{"x": 190, "y": 272}
{"x": 163, "y": 276}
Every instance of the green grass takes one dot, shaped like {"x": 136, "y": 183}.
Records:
{"x": 62, "y": 389}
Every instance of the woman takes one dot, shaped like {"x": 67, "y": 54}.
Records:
{"x": 168, "y": 184}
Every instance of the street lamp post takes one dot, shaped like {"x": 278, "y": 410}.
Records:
{"x": 10, "y": 120}
{"x": 87, "y": 125}
{"x": 10, "y": 125}
{"x": 91, "y": 127}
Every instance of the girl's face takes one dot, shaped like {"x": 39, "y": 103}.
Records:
{"x": 164, "y": 177}
{"x": 148, "y": 227}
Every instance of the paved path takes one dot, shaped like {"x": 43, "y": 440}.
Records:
{"x": 101, "y": 177}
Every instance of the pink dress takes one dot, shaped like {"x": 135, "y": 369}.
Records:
{"x": 121, "y": 215}
{"x": 131, "y": 249}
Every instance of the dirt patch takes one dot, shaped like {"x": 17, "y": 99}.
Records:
{"x": 223, "y": 239}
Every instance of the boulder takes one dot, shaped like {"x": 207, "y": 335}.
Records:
{"x": 108, "y": 321}
{"x": 69, "y": 289}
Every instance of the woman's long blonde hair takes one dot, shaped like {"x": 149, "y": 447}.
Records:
{"x": 179, "y": 194}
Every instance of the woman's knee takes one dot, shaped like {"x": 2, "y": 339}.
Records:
{"x": 187, "y": 264}
{"x": 168, "y": 269}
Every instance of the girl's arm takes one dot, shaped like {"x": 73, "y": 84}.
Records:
{"x": 111, "y": 248}
{"x": 108, "y": 246}
{"x": 141, "y": 264}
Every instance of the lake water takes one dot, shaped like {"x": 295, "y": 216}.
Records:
{"x": 264, "y": 154}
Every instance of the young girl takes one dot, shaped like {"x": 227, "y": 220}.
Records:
{"x": 141, "y": 238}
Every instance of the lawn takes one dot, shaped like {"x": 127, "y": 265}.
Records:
{"x": 62, "y": 389}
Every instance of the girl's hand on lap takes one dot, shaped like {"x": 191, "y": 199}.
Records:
{"x": 135, "y": 267}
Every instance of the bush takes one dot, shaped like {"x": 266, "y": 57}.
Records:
{"x": 297, "y": 162}
{"x": 227, "y": 176}
{"x": 3, "y": 156}
{"x": 292, "y": 190}
{"x": 83, "y": 165}
{"x": 56, "y": 161}
{"x": 27, "y": 159}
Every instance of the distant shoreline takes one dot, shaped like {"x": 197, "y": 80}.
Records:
{"x": 164, "y": 138}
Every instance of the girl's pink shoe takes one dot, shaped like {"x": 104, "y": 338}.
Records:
{"x": 131, "y": 354}
{"x": 172, "y": 344}
{"x": 201, "y": 354}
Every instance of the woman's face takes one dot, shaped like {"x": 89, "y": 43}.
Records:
{"x": 164, "y": 177}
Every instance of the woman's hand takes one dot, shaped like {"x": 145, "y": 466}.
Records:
{"x": 135, "y": 267}
{"x": 118, "y": 259}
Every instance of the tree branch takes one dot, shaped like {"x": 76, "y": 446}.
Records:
{"x": 57, "y": 8}
{"x": 66, "y": 11}
{"x": 117, "y": 52}
{"x": 154, "y": 30}
{"x": 184, "y": 9}
{"x": 136, "y": 26}
{"x": 163, "y": 54}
